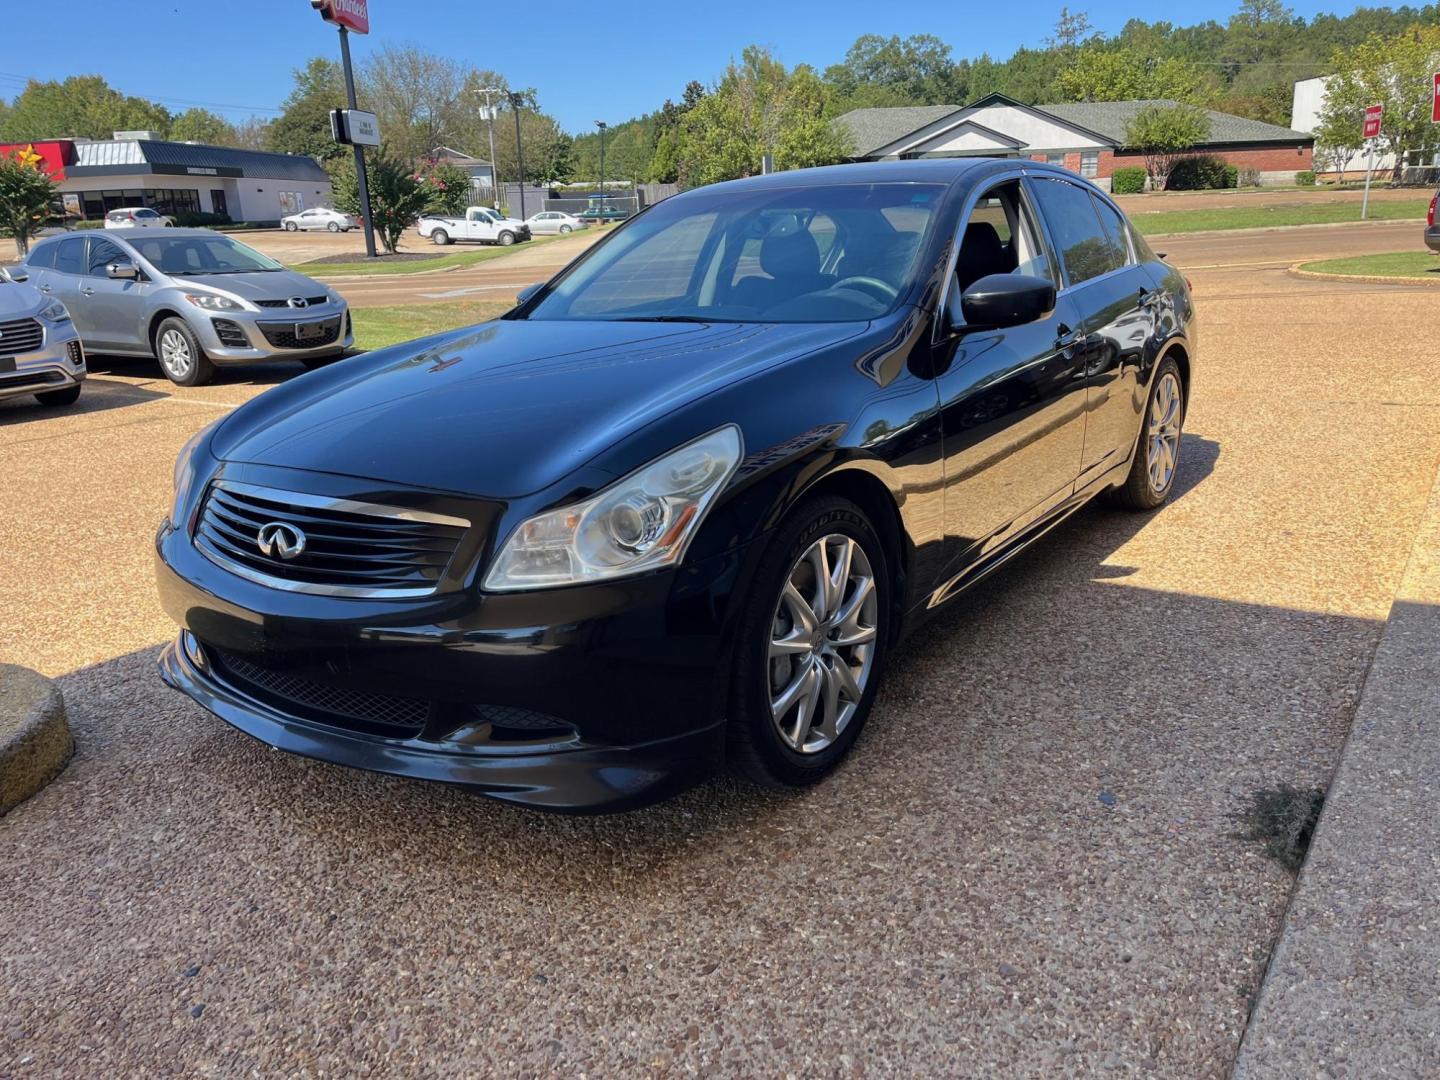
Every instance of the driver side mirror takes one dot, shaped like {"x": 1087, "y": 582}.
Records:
{"x": 14, "y": 274}
{"x": 529, "y": 291}
{"x": 122, "y": 271}
{"x": 1000, "y": 300}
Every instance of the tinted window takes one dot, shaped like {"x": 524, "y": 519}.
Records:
{"x": 70, "y": 258}
{"x": 103, "y": 252}
{"x": 201, "y": 255}
{"x": 1082, "y": 246}
{"x": 42, "y": 257}
{"x": 1113, "y": 229}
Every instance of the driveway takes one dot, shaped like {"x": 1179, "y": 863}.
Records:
{"x": 1030, "y": 865}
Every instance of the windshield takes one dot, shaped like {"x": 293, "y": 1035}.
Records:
{"x": 806, "y": 254}
{"x": 187, "y": 255}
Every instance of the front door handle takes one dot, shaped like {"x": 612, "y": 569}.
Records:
{"x": 1065, "y": 340}
{"x": 43, "y": 288}
{"x": 87, "y": 291}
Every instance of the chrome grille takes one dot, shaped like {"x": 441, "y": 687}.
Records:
{"x": 282, "y": 335}
{"x": 398, "y": 715}
{"x": 313, "y": 301}
{"x": 20, "y": 336}
{"x": 350, "y": 548}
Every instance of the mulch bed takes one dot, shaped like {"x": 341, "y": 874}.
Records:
{"x": 359, "y": 256}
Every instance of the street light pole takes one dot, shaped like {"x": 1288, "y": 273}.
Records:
{"x": 516, "y": 100}
{"x": 602, "y": 125}
{"x": 360, "y": 180}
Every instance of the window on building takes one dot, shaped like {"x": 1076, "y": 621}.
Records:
{"x": 1055, "y": 159}
{"x": 1090, "y": 163}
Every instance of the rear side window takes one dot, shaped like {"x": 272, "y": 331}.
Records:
{"x": 70, "y": 255}
{"x": 42, "y": 257}
{"x": 1082, "y": 245}
{"x": 1113, "y": 229}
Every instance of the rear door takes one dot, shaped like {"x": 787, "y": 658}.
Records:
{"x": 1106, "y": 287}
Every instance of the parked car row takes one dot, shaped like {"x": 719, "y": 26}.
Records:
{"x": 191, "y": 298}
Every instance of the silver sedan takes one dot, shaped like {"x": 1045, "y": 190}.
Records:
{"x": 554, "y": 221}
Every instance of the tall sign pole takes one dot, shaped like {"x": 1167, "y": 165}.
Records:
{"x": 1373, "y": 116}
{"x": 353, "y": 15}
{"x": 602, "y": 125}
{"x": 516, "y": 100}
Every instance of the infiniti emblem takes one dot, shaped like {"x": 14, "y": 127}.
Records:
{"x": 280, "y": 539}
{"x": 299, "y": 301}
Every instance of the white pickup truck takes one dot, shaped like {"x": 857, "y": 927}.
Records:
{"x": 479, "y": 223}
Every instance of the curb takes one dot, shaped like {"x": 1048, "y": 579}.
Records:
{"x": 1275, "y": 228}
{"x": 1298, "y": 270}
{"x": 35, "y": 741}
{"x": 1350, "y": 986}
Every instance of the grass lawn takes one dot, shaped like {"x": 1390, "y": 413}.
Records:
{"x": 1393, "y": 264}
{"x": 380, "y": 326}
{"x": 1259, "y": 217}
{"x": 459, "y": 255}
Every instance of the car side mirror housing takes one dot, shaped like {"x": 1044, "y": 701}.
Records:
{"x": 529, "y": 291}
{"x": 15, "y": 274}
{"x": 1000, "y": 300}
{"x": 122, "y": 271}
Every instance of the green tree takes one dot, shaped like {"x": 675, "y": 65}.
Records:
{"x": 303, "y": 127}
{"x": 83, "y": 106}
{"x": 1394, "y": 72}
{"x": 1106, "y": 73}
{"x": 202, "y": 126}
{"x": 1164, "y": 134}
{"x": 447, "y": 188}
{"x": 397, "y": 198}
{"x": 915, "y": 70}
{"x": 26, "y": 193}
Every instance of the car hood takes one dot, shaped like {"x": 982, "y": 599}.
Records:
{"x": 260, "y": 285}
{"x": 18, "y": 300}
{"x": 506, "y": 408}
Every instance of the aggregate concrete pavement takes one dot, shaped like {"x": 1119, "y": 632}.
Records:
{"x": 1029, "y": 866}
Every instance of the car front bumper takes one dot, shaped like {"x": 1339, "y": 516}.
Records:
{"x": 54, "y": 366}
{"x": 593, "y": 698}
{"x": 272, "y": 334}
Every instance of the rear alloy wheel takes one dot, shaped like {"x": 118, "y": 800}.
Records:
{"x": 440, "y": 238}
{"x": 334, "y": 226}
{"x": 566, "y": 228}
{"x": 181, "y": 357}
{"x": 506, "y": 239}
{"x": 814, "y": 633}
{"x": 1157, "y": 455}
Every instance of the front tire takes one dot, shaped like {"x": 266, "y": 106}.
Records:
{"x": 56, "y": 398}
{"x": 181, "y": 358}
{"x": 1157, "y": 455}
{"x": 506, "y": 239}
{"x": 811, "y": 647}
{"x": 440, "y": 238}
{"x": 290, "y": 226}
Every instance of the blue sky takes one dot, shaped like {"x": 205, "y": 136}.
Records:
{"x": 620, "y": 61}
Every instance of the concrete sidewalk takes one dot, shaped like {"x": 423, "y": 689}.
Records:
{"x": 1352, "y": 986}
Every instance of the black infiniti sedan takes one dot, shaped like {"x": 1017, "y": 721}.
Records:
{"x": 671, "y": 512}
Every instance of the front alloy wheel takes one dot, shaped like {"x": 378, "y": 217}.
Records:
{"x": 822, "y": 643}
{"x": 181, "y": 357}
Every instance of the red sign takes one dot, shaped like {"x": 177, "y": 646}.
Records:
{"x": 1435, "y": 109}
{"x": 1373, "y": 113}
{"x": 351, "y": 14}
{"x": 48, "y": 157}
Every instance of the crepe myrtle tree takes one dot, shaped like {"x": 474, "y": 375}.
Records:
{"x": 447, "y": 187}
{"x": 397, "y": 198}
{"x": 26, "y": 192}
{"x": 1164, "y": 134}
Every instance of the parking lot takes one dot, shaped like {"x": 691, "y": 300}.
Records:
{"x": 1029, "y": 866}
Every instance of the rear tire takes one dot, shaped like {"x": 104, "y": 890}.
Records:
{"x": 56, "y": 398}
{"x": 181, "y": 358}
{"x": 789, "y": 628}
{"x": 1157, "y": 451}
{"x": 506, "y": 239}
{"x": 566, "y": 228}
{"x": 440, "y": 238}
{"x": 334, "y": 226}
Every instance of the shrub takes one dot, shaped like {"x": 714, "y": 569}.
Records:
{"x": 1305, "y": 178}
{"x": 88, "y": 224}
{"x": 1249, "y": 177}
{"x": 1127, "y": 181}
{"x": 1199, "y": 172}
{"x": 192, "y": 219}
{"x": 1232, "y": 176}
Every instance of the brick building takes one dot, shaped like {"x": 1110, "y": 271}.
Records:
{"x": 1088, "y": 137}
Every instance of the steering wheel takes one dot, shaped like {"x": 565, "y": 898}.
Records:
{"x": 888, "y": 293}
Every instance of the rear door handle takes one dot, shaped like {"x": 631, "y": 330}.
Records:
{"x": 1150, "y": 297}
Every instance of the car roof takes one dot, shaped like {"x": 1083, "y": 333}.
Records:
{"x": 906, "y": 171}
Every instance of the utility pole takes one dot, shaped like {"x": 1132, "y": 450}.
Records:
{"x": 360, "y": 180}
{"x": 490, "y": 123}
{"x": 602, "y": 126}
{"x": 517, "y": 100}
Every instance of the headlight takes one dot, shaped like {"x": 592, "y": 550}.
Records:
{"x": 185, "y": 473}
{"x": 55, "y": 312}
{"x": 335, "y": 297}
{"x": 643, "y": 522}
{"x": 213, "y": 303}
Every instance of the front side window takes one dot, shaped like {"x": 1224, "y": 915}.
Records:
{"x": 102, "y": 254}
{"x": 1000, "y": 237}
{"x": 1070, "y": 214}
{"x": 842, "y": 252}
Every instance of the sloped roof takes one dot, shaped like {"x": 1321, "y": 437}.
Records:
{"x": 146, "y": 153}
{"x": 1111, "y": 118}
{"x": 870, "y": 129}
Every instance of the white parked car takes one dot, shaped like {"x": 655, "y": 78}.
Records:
{"x": 554, "y": 221}
{"x": 319, "y": 217}
{"x": 479, "y": 223}
{"x": 136, "y": 217}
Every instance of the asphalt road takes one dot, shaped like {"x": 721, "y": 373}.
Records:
{"x": 1029, "y": 866}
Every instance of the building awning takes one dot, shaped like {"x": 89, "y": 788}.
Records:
{"x": 129, "y": 156}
